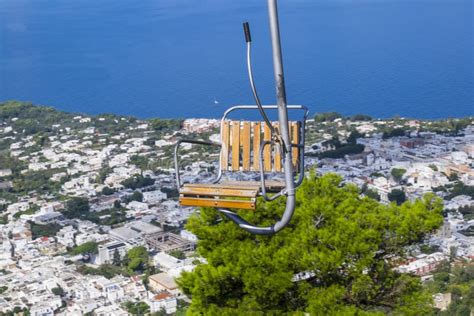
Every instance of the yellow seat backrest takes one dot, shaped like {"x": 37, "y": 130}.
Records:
{"x": 241, "y": 146}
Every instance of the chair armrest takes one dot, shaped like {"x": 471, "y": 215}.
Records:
{"x": 176, "y": 153}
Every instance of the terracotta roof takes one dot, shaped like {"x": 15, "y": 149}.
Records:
{"x": 161, "y": 296}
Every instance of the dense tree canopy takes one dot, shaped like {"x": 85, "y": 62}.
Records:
{"x": 106, "y": 270}
{"x": 107, "y": 190}
{"x": 361, "y": 117}
{"x": 327, "y": 117}
{"x": 397, "y": 195}
{"x": 47, "y": 230}
{"x": 135, "y": 196}
{"x": 88, "y": 247}
{"x": 137, "y": 259}
{"x": 341, "y": 152}
{"x": 343, "y": 247}
{"x": 457, "y": 279}
{"x": 397, "y": 173}
{"x": 460, "y": 188}
{"x": 57, "y": 291}
{"x": 137, "y": 308}
{"x": 141, "y": 162}
{"x": 352, "y": 139}
{"x": 396, "y": 132}
{"x": 165, "y": 125}
{"x": 76, "y": 207}
{"x": 137, "y": 181}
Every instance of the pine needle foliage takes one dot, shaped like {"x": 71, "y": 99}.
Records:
{"x": 342, "y": 246}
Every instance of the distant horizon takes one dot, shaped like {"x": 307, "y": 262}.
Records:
{"x": 310, "y": 117}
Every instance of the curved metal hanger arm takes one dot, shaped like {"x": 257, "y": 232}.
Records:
{"x": 248, "y": 39}
{"x": 284, "y": 131}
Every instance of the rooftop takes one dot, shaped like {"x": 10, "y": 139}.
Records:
{"x": 162, "y": 295}
{"x": 124, "y": 233}
{"x": 164, "y": 280}
{"x": 144, "y": 227}
{"x": 114, "y": 245}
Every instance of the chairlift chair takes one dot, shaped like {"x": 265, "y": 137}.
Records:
{"x": 254, "y": 146}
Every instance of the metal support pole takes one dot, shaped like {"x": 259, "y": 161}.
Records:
{"x": 278, "y": 70}
{"x": 282, "y": 113}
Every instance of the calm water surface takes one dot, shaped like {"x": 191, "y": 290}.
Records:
{"x": 174, "y": 58}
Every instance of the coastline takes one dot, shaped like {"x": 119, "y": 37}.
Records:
{"x": 219, "y": 115}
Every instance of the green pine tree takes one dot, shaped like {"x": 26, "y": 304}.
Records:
{"x": 346, "y": 244}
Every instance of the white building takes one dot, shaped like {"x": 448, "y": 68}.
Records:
{"x": 110, "y": 310}
{"x": 154, "y": 197}
{"x": 137, "y": 206}
{"x": 5, "y": 172}
{"x": 106, "y": 252}
{"x": 166, "y": 262}
{"x": 163, "y": 300}
{"x": 41, "y": 309}
{"x": 46, "y": 306}
{"x": 423, "y": 264}
{"x": 164, "y": 282}
{"x": 66, "y": 236}
{"x": 186, "y": 234}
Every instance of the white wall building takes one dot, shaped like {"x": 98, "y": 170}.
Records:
{"x": 163, "y": 300}
{"x": 106, "y": 252}
{"x": 154, "y": 197}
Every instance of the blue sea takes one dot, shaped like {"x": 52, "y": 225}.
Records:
{"x": 186, "y": 58}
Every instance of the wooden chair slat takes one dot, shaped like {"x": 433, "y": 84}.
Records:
{"x": 267, "y": 151}
{"x": 256, "y": 129}
{"x": 229, "y": 184}
{"x": 238, "y": 185}
{"x": 277, "y": 153}
{"x": 270, "y": 185}
{"x": 236, "y": 145}
{"x": 241, "y": 141}
{"x": 219, "y": 203}
{"x": 295, "y": 139}
{"x": 206, "y": 191}
{"x": 245, "y": 140}
{"x": 225, "y": 145}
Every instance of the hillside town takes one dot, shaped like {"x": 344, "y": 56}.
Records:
{"x": 90, "y": 221}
